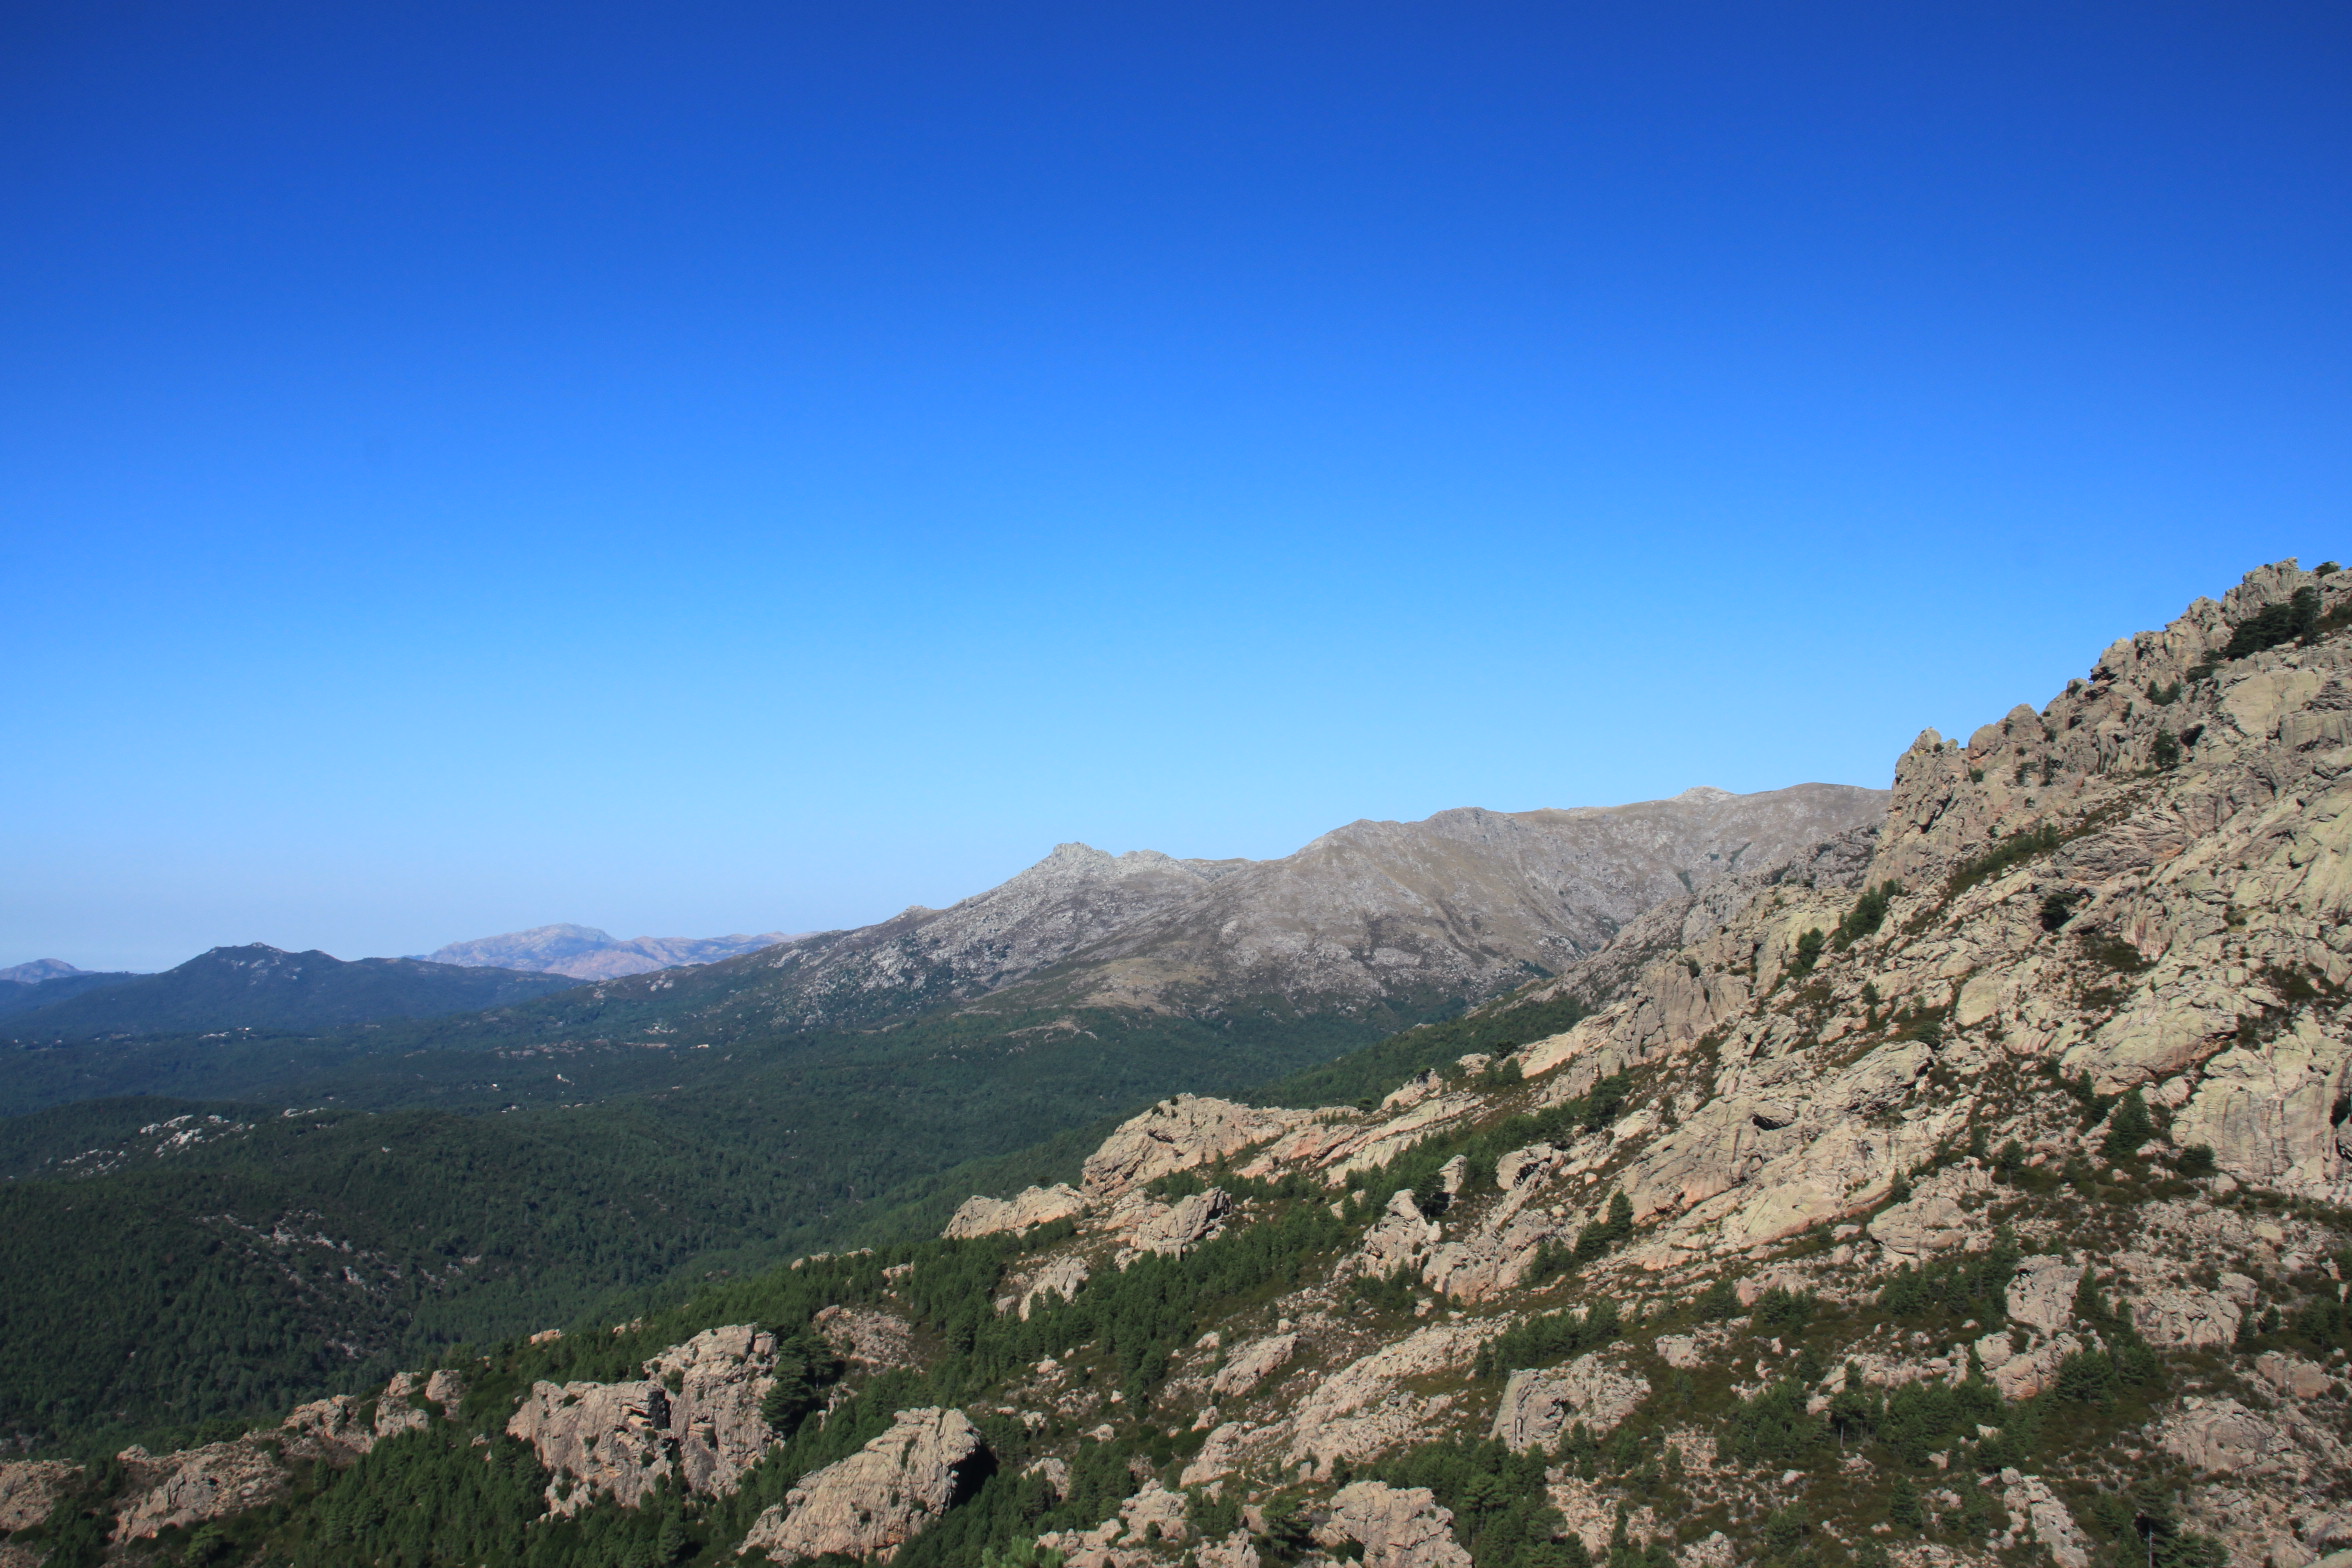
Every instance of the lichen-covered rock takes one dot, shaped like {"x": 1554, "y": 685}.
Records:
{"x": 2041, "y": 1293}
{"x": 1537, "y": 1406}
{"x": 29, "y": 1488}
{"x": 194, "y": 1485}
{"x": 1397, "y": 1527}
{"x": 1252, "y": 1364}
{"x": 877, "y": 1499}
{"x": 1033, "y": 1207}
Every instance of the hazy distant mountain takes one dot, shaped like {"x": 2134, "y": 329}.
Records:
{"x": 266, "y": 989}
{"x": 38, "y": 970}
{"x": 25, "y": 987}
{"x": 585, "y": 953}
{"x": 1407, "y": 914}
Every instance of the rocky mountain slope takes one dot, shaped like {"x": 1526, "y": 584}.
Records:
{"x": 264, "y": 988}
{"x": 585, "y": 953}
{"x": 1967, "y": 1191}
{"x": 1406, "y": 914}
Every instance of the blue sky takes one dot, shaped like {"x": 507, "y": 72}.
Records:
{"x": 705, "y": 467}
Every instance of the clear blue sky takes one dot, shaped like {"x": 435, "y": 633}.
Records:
{"x": 701, "y": 467}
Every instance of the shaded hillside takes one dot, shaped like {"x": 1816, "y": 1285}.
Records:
{"x": 266, "y": 989}
{"x": 38, "y": 990}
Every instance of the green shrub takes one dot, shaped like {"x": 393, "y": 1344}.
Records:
{"x": 2166, "y": 753}
{"x": 2274, "y": 624}
{"x": 2129, "y": 1127}
{"x": 1868, "y": 914}
{"x": 1773, "y": 1429}
{"x": 1806, "y": 954}
{"x": 1780, "y": 1311}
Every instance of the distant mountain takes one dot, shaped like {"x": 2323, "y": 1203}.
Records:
{"x": 38, "y": 970}
{"x": 1410, "y": 917}
{"x": 266, "y": 989}
{"x": 585, "y": 953}
{"x": 25, "y": 988}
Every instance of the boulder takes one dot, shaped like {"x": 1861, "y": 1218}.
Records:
{"x": 2041, "y": 1295}
{"x": 1934, "y": 1219}
{"x": 1035, "y": 1206}
{"x": 1252, "y": 1364}
{"x": 193, "y": 1485}
{"x": 1397, "y": 1527}
{"x": 1538, "y": 1406}
{"x": 877, "y": 1499}
{"x": 2021, "y": 1375}
{"x": 1235, "y": 1551}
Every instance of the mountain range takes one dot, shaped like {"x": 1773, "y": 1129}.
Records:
{"x": 262, "y": 988}
{"x": 1402, "y": 918}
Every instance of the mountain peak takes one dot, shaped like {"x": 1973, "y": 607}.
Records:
{"x": 38, "y": 970}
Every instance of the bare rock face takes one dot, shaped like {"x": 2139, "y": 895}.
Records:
{"x": 1538, "y": 1405}
{"x": 1174, "y": 1229}
{"x": 1176, "y": 1135}
{"x": 2035, "y": 1509}
{"x": 1400, "y": 1239}
{"x": 2041, "y": 1295}
{"x": 1364, "y": 1408}
{"x": 597, "y": 1438}
{"x": 1398, "y": 1527}
{"x": 1252, "y": 1364}
{"x": 402, "y": 1407}
{"x": 1235, "y": 1551}
{"x": 194, "y": 1485}
{"x": 2223, "y": 1437}
{"x": 1058, "y": 1279}
{"x": 1934, "y": 1220}
{"x": 330, "y": 1429}
{"x": 2198, "y": 1318}
{"x": 875, "y": 1501}
{"x": 29, "y": 1488}
{"x": 695, "y": 1416}
{"x": 1033, "y": 1207}
{"x": 868, "y": 1337}
{"x": 718, "y": 1380}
